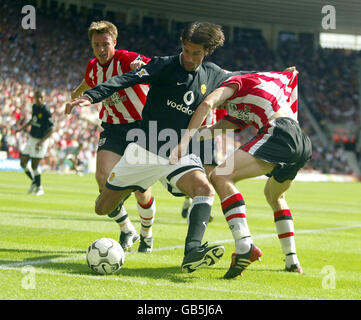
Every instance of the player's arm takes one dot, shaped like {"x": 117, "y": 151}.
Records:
{"x": 218, "y": 128}
{"x": 103, "y": 91}
{"x": 116, "y": 83}
{"x": 23, "y": 127}
{"x": 106, "y": 89}
{"x": 213, "y": 100}
{"x": 83, "y": 86}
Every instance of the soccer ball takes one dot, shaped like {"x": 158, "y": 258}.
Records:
{"x": 105, "y": 256}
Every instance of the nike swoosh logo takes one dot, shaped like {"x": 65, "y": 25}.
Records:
{"x": 180, "y": 83}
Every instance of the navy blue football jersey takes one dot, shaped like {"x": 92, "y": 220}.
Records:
{"x": 41, "y": 121}
{"x": 174, "y": 95}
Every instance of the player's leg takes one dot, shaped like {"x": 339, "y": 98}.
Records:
{"x": 275, "y": 193}
{"x": 37, "y": 176}
{"x": 105, "y": 162}
{"x": 146, "y": 209}
{"x": 25, "y": 164}
{"x": 196, "y": 185}
{"x": 109, "y": 199}
{"x": 240, "y": 165}
{"x": 187, "y": 204}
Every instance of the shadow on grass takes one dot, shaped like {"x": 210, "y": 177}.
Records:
{"x": 41, "y": 262}
{"x": 170, "y": 273}
{"x": 37, "y": 257}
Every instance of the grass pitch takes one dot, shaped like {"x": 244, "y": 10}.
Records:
{"x": 44, "y": 239}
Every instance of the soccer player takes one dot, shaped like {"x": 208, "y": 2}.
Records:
{"x": 119, "y": 113}
{"x": 37, "y": 144}
{"x": 72, "y": 154}
{"x": 268, "y": 102}
{"x": 178, "y": 84}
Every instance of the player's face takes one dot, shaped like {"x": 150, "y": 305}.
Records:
{"x": 38, "y": 98}
{"x": 192, "y": 55}
{"x": 103, "y": 46}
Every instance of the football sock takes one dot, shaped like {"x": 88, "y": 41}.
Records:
{"x": 120, "y": 216}
{"x": 234, "y": 210}
{"x": 37, "y": 177}
{"x": 29, "y": 172}
{"x": 198, "y": 220}
{"x": 147, "y": 215}
{"x": 285, "y": 230}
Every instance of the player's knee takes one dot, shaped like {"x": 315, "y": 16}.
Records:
{"x": 271, "y": 197}
{"x": 100, "y": 206}
{"x": 218, "y": 180}
{"x": 99, "y": 209}
{"x": 203, "y": 188}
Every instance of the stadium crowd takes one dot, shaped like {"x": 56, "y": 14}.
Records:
{"x": 54, "y": 55}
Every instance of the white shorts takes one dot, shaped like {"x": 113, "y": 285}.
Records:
{"x": 139, "y": 169}
{"x": 32, "y": 151}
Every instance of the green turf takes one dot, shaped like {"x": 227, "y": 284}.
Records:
{"x": 44, "y": 239}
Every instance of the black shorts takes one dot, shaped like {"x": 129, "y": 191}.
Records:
{"x": 114, "y": 136}
{"x": 285, "y": 144}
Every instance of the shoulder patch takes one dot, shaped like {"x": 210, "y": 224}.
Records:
{"x": 142, "y": 72}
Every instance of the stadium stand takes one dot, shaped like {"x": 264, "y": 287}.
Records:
{"x": 53, "y": 57}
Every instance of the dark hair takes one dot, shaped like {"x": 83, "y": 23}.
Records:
{"x": 207, "y": 34}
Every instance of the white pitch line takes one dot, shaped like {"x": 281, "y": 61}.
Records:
{"x": 82, "y": 256}
{"x": 163, "y": 284}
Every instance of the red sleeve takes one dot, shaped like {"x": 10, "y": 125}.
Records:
{"x": 89, "y": 67}
{"x": 240, "y": 123}
{"x": 220, "y": 114}
{"x": 235, "y": 80}
{"x": 126, "y": 57}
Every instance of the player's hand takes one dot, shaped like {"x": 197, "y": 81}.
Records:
{"x": 82, "y": 101}
{"x": 290, "y": 69}
{"x": 137, "y": 64}
{"x": 178, "y": 152}
{"x": 38, "y": 145}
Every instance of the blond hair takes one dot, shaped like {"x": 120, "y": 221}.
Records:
{"x": 102, "y": 27}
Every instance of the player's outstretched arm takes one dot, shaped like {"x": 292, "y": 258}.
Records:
{"x": 23, "y": 127}
{"x": 79, "y": 90}
{"x": 82, "y": 101}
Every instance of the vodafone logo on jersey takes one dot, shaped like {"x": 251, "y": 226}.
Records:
{"x": 179, "y": 107}
{"x": 188, "y": 99}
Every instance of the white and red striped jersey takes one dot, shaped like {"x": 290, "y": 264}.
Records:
{"x": 124, "y": 106}
{"x": 213, "y": 116}
{"x": 259, "y": 96}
